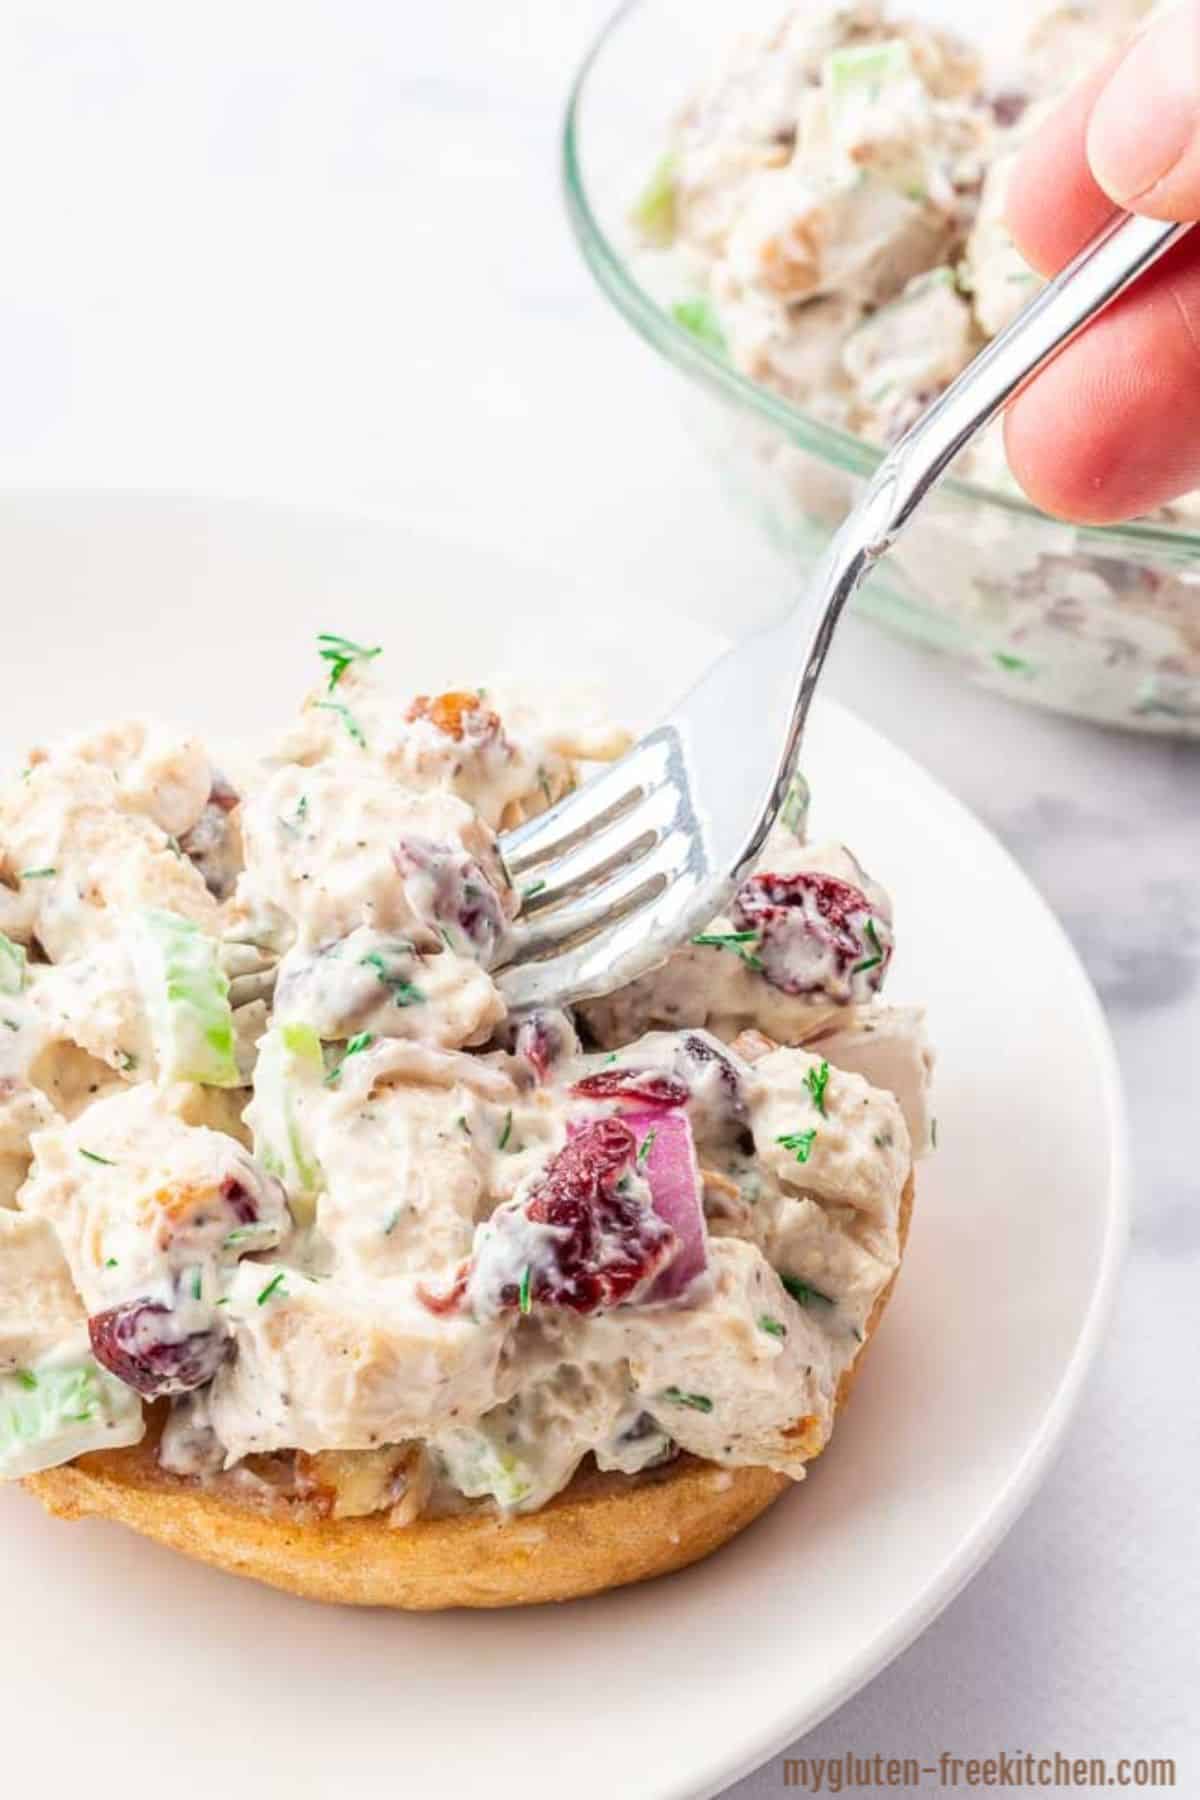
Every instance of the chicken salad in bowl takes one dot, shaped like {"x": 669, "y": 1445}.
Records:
{"x": 821, "y": 243}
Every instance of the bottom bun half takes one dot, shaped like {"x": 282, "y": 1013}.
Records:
{"x": 601, "y": 1532}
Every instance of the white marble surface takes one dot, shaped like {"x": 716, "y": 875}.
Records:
{"x": 317, "y": 253}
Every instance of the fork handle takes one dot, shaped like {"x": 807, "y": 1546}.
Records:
{"x": 1104, "y": 268}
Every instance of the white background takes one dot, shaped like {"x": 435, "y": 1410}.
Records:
{"x": 317, "y": 253}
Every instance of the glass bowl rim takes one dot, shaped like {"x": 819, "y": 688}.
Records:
{"x": 852, "y": 455}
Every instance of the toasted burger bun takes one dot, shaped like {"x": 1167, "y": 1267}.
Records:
{"x": 601, "y": 1532}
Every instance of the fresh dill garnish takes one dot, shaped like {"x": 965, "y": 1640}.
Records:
{"x": 645, "y": 1147}
{"x": 26, "y": 1377}
{"x": 36, "y": 874}
{"x": 773, "y": 1327}
{"x": 803, "y": 1293}
{"x": 507, "y": 1132}
{"x": 799, "y": 1141}
{"x": 197, "y": 1283}
{"x": 273, "y": 1287}
{"x": 525, "y": 1291}
{"x": 402, "y": 991}
{"x": 461, "y": 1122}
{"x": 392, "y": 1220}
{"x": 126, "y": 1062}
{"x": 355, "y": 1047}
{"x": 11, "y": 1025}
{"x": 816, "y": 1081}
{"x": 870, "y": 962}
{"x": 348, "y": 719}
{"x": 697, "y": 1402}
{"x": 111, "y": 1263}
{"x": 242, "y": 1234}
{"x": 340, "y": 652}
{"x": 91, "y": 1156}
{"x": 737, "y": 941}
{"x": 535, "y": 887}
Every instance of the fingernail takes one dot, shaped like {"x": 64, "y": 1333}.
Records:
{"x": 1148, "y": 112}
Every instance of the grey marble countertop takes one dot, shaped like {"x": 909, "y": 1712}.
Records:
{"x": 319, "y": 254}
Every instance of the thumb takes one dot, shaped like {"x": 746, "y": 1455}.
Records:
{"x": 1143, "y": 136}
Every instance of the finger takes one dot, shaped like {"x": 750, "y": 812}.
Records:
{"x": 1143, "y": 136}
{"x": 1112, "y": 427}
{"x": 1055, "y": 203}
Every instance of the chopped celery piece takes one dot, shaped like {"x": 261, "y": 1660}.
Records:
{"x": 699, "y": 316}
{"x": 290, "y": 1068}
{"x": 478, "y": 1466}
{"x": 654, "y": 210}
{"x": 50, "y": 1415}
{"x": 861, "y": 71}
{"x": 187, "y": 1000}
{"x": 12, "y": 966}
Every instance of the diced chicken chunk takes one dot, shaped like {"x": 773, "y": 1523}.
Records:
{"x": 325, "y": 1362}
{"x": 139, "y": 1199}
{"x": 81, "y": 861}
{"x": 39, "y": 1307}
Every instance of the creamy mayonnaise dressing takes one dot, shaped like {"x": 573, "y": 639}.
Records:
{"x": 274, "y": 1155}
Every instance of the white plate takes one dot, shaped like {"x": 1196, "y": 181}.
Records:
{"x": 121, "y": 1664}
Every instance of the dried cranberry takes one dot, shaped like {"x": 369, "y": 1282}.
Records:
{"x": 644, "y": 1426}
{"x": 817, "y": 935}
{"x": 223, "y": 793}
{"x": 143, "y": 1344}
{"x": 239, "y": 1200}
{"x": 701, "y": 1057}
{"x": 641, "y": 1087}
{"x": 544, "y": 1037}
{"x": 456, "y": 892}
{"x": 243, "y": 1214}
{"x": 214, "y": 843}
{"x": 1008, "y": 106}
{"x": 605, "y": 1242}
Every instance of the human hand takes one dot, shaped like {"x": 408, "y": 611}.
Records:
{"x": 1112, "y": 427}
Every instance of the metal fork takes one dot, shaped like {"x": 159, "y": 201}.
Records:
{"x": 621, "y": 872}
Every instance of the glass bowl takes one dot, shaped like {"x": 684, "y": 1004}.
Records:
{"x": 1102, "y": 622}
